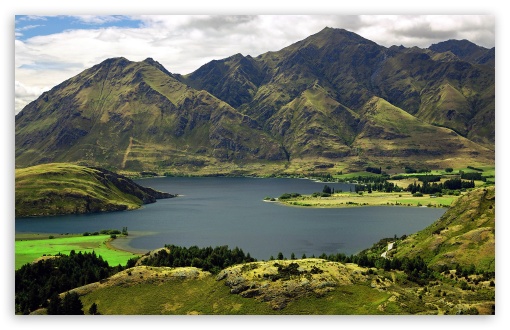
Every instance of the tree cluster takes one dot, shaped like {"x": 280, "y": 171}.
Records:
{"x": 376, "y": 170}
{"x": 429, "y": 178}
{"x": 383, "y": 186}
{"x": 69, "y": 305}
{"x": 452, "y": 184}
{"x": 289, "y": 195}
{"x": 208, "y": 258}
{"x": 472, "y": 176}
{"x": 36, "y": 283}
{"x": 409, "y": 169}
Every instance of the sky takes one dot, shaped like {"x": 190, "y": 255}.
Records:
{"x": 50, "y": 49}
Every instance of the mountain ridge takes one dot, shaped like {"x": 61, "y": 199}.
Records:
{"x": 303, "y": 103}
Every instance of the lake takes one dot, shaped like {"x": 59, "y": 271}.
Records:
{"x": 231, "y": 211}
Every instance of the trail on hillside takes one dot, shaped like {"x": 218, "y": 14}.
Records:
{"x": 128, "y": 150}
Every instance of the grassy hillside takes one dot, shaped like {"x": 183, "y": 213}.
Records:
{"x": 135, "y": 115}
{"x": 464, "y": 235}
{"x": 63, "y": 188}
{"x": 293, "y": 287}
{"x": 390, "y": 134}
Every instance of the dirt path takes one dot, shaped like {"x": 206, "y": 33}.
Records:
{"x": 128, "y": 150}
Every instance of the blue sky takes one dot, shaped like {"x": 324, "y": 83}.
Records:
{"x": 28, "y": 26}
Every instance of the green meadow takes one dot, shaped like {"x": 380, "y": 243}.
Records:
{"x": 30, "y": 248}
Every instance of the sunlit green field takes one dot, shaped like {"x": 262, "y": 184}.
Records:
{"x": 28, "y": 250}
{"x": 373, "y": 199}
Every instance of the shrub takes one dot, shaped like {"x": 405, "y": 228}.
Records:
{"x": 288, "y": 196}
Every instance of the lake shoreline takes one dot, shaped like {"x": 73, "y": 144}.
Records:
{"x": 229, "y": 211}
{"x": 122, "y": 243}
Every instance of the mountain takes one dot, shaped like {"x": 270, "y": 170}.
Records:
{"x": 466, "y": 51}
{"x": 52, "y": 189}
{"x": 135, "y": 115}
{"x": 334, "y": 97}
{"x": 441, "y": 90}
{"x": 464, "y": 235}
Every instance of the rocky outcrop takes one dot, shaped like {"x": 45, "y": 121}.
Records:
{"x": 283, "y": 281}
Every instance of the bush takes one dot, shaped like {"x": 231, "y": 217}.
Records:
{"x": 289, "y": 196}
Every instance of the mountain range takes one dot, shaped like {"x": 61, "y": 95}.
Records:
{"x": 334, "y": 100}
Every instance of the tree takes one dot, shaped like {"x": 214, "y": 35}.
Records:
{"x": 292, "y": 256}
{"x": 280, "y": 256}
{"x": 71, "y": 304}
{"x": 93, "y": 309}
{"x": 448, "y": 170}
{"x": 326, "y": 189}
{"x": 54, "y": 304}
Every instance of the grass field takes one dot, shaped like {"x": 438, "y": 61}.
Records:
{"x": 374, "y": 199}
{"x": 31, "y": 247}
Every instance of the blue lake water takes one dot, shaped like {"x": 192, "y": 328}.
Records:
{"x": 231, "y": 211}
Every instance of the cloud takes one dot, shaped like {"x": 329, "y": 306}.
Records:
{"x": 31, "y": 18}
{"x": 25, "y": 94}
{"x": 424, "y": 30}
{"x": 182, "y": 43}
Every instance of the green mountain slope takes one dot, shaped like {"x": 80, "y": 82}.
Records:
{"x": 52, "y": 189}
{"x": 233, "y": 80}
{"x": 310, "y": 102}
{"x": 437, "y": 86}
{"x": 314, "y": 124}
{"x": 389, "y": 132}
{"x": 464, "y": 235}
{"x": 467, "y": 51}
{"x": 135, "y": 115}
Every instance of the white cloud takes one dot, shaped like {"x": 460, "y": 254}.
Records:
{"x": 183, "y": 43}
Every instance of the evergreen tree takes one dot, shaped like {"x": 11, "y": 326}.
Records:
{"x": 326, "y": 189}
{"x": 54, "y": 304}
{"x": 71, "y": 304}
{"x": 93, "y": 309}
